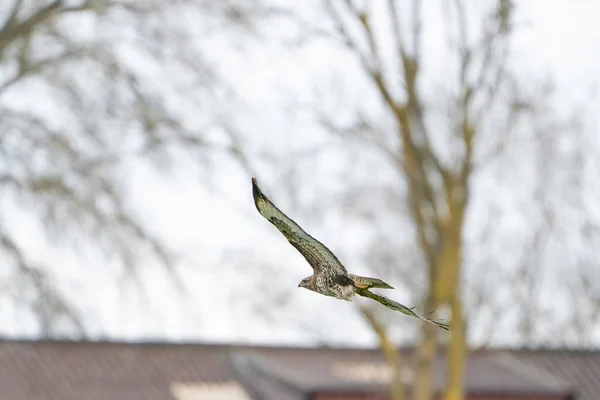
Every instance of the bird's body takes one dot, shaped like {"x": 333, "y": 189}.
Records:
{"x": 340, "y": 287}
{"x": 330, "y": 277}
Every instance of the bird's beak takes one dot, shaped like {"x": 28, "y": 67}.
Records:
{"x": 300, "y": 284}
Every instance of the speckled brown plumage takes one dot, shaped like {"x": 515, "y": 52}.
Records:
{"x": 330, "y": 277}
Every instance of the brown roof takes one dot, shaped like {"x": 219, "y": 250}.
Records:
{"x": 102, "y": 371}
{"x": 312, "y": 370}
{"x": 580, "y": 368}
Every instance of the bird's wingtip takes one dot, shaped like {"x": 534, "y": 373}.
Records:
{"x": 255, "y": 187}
{"x": 256, "y": 192}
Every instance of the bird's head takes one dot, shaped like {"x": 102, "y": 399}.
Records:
{"x": 305, "y": 283}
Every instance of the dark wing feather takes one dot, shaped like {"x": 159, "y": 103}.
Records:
{"x": 315, "y": 252}
{"x": 394, "y": 305}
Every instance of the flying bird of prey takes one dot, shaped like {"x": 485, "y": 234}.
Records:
{"x": 330, "y": 277}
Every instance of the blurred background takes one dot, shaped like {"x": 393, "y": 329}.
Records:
{"x": 450, "y": 148}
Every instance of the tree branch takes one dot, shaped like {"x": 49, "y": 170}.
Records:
{"x": 12, "y": 30}
{"x": 50, "y": 304}
{"x": 390, "y": 352}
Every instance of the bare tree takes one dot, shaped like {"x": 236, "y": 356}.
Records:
{"x": 436, "y": 161}
{"x": 89, "y": 88}
{"x": 441, "y": 130}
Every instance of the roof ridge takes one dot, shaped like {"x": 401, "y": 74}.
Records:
{"x": 274, "y": 346}
{"x": 152, "y": 342}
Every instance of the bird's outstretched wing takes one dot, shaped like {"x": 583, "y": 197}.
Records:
{"x": 315, "y": 252}
{"x": 394, "y": 305}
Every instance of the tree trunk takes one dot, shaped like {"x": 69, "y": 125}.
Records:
{"x": 448, "y": 288}
{"x": 457, "y": 353}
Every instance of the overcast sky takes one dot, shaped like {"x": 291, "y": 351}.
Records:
{"x": 227, "y": 246}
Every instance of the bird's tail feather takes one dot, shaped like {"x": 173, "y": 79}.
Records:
{"x": 364, "y": 282}
{"x": 394, "y": 305}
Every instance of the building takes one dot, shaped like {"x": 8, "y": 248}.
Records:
{"x": 62, "y": 370}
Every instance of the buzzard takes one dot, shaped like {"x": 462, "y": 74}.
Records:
{"x": 330, "y": 277}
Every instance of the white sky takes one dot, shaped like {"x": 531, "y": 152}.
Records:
{"x": 561, "y": 38}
